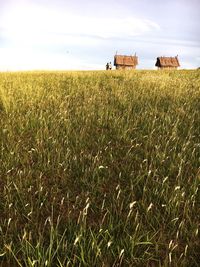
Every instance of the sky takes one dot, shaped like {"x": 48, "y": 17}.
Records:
{"x": 86, "y": 34}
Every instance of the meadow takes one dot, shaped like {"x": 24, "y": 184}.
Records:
{"x": 100, "y": 169}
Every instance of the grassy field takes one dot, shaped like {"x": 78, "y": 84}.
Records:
{"x": 100, "y": 169}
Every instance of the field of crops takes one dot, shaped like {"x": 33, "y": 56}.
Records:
{"x": 100, "y": 169}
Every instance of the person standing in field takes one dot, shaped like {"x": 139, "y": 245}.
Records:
{"x": 107, "y": 66}
{"x": 110, "y": 66}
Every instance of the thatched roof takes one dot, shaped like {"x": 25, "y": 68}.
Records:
{"x": 167, "y": 62}
{"x": 125, "y": 60}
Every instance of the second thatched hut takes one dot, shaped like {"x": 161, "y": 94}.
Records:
{"x": 167, "y": 62}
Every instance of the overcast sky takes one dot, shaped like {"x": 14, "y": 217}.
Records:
{"x": 85, "y": 34}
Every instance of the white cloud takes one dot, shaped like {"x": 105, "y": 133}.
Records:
{"x": 28, "y": 23}
{"x": 35, "y": 36}
{"x": 109, "y": 27}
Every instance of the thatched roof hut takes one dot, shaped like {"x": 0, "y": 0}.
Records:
{"x": 125, "y": 62}
{"x": 167, "y": 62}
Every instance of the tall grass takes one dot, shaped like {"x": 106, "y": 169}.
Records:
{"x": 100, "y": 168}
